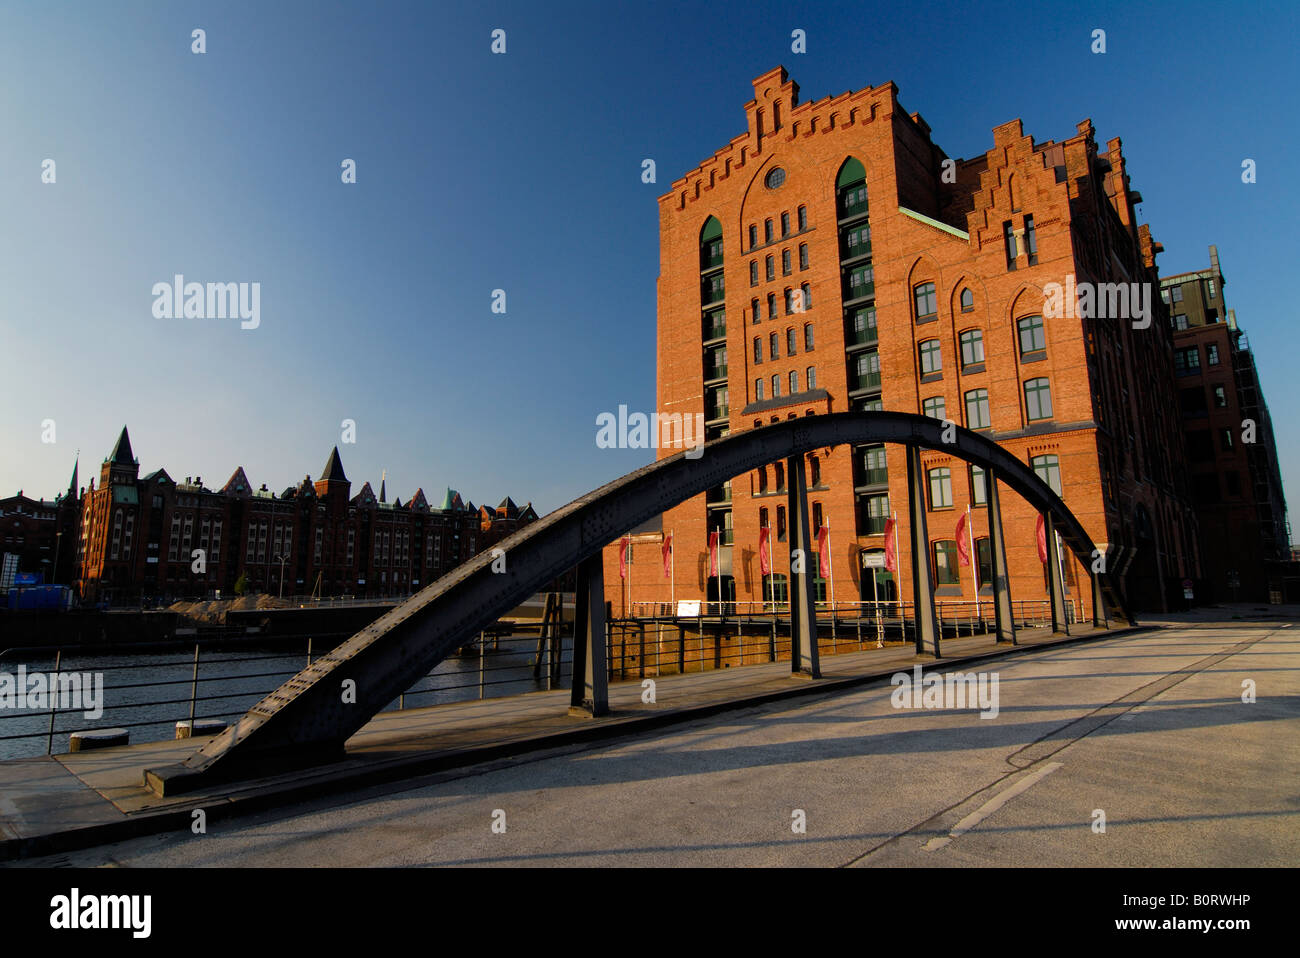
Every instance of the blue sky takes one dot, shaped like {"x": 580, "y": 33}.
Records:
{"x": 520, "y": 172}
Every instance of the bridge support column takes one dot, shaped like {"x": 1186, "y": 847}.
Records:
{"x": 1055, "y": 590}
{"x": 590, "y": 694}
{"x": 1099, "y": 619}
{"x": 927, "y": 623}
{"x": 1003, "y": 617}
{"x": 803, "y": 601}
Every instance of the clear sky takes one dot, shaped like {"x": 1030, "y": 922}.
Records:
{"x": 519, "y": 171}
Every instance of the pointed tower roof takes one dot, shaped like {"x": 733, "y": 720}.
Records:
{"x": 449, "y": 500}
{"x": 237, "y": 484}
{"x": 72, "y": 486}
{"x": 383, "y": 487}
{"x": 121, "y": 454}
{"x": 333, "y": 469}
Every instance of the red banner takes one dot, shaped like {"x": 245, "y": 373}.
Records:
{"x": 891, "y": 554}
{"x": 668, "y": 555}
{"x": 623, "y": 545}
{"x": 824, "y": 551}
{"x": 1042, "y": 539}
{"x": 764, "y": 551}
{"x": 713, "y": 553}
{"x": 963, "y": 544}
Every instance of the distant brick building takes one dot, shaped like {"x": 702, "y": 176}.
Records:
{"x": 39, "y": 536}
{"x": 138, "y": 536}
{"x": 1236, "y": 484}
{"x": 831, "y": 257}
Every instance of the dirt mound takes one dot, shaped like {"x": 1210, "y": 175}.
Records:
{"x": 213, "y": 611}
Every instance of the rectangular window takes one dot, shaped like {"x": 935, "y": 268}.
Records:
{"x": 771, "y": 267}
{"x": 972, "y": 347}
{"x": 785, "y": 262}
{"x": 940, "y": 488}
{"x": 753, "y": 235}
{"x": 1177, "y": 294}
{"x": 1220, "y": 397}
{"x": 1033, "y": 338}
{"x": 862, "y": 282}
{"x": 1211, "y": 354}
{"x": 807, "y": 337}
{"x": 877, "y": 512}
{"x": 794, "y": 382}
{"x": 753, "y": 305}
{"x": 864, "y": 325}
{"x": 1038, "y": 400}
{"x": 773, "y": 346}
{"x": 1225, "y": 439}
{"x": 785, "y": 224}
{"x": 874, "y": 466}
{"x": 1209, "y": 289}
{"x": 758, "y": 350}
{"x": 931, "y": 357}
{"x": 803, "y": 255}
{"x": 758, "y": 389}
{"x": 776, "y": 386}
{"x": 803, "y": 218}
{"x": 934, "y": 407}
{"x": 866, "y": 370}
{"x": 1009, "y": 240}
{"x": 753, "y": 272}
{"x": 978, "y": 488}
{"x": 767, "y": 231}
{"x": 858, "y": 242}
{"x": 1187, "y": 361}
{"x": 810, "y": 375}
{"x": 927, "y": 304}
{"x": 771, "y": 305}
{"x": 1048, "y": 469}
{"x": 1178, "y": 320}
{"x": 791, "y": 342}
{"x": 1031, "y": 241}
{"x": 977, "y": 409}
{"x": 945, "y": 563}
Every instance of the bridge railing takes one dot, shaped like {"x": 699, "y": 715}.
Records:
{"x": 147, "y": 691}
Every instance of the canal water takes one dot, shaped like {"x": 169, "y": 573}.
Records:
{"x": 148, "y": 693}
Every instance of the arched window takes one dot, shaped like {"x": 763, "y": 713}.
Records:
{"x": 851, "y": 189}
{"x": 967, "y": 300}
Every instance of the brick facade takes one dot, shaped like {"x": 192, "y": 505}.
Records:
{"x": 1112, "y": 427}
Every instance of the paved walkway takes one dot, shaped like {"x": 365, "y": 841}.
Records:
{"x": 76, "y": 800}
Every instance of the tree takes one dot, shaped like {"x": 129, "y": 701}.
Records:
{"x": 241, "y": 584}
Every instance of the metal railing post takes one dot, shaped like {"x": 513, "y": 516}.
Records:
{"x": 54, "y": 702}
{"x": 194, "y": 686}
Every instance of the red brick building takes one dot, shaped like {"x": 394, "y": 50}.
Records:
{"x": 139, "y": 536}
{"x": 1231, "y": 453}
{"x": 831, "y": 257}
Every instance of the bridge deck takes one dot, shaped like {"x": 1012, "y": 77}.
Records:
{"x": 86, "y": 798}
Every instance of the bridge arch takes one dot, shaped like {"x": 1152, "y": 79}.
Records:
{"x": 307, "y": 720}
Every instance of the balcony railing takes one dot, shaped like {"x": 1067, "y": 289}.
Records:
{"x": 715, "y": 372}
{"x": 872, "y": 477}
{"x": 718, "y": 494}
{"x": 863, "y": 337}
{"x": 864, "y": 381}
{"x": 715, "y": 331}
{"x": 711, "y": 292}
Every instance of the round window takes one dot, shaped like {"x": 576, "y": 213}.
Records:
{"x": 775, "y": 178}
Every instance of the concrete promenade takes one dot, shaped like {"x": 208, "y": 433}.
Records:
{"x": 60, "y": 803}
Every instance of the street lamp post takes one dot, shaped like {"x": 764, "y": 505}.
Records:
{"x": 282, "y": 560}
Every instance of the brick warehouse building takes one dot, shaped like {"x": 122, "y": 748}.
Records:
{"x": 138, "y": 535}
{"x": 1237, "y": 485}
{"x": 830, "y": 258}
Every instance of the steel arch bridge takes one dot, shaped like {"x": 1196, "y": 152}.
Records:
{"x": 306, "y": 720}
